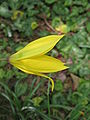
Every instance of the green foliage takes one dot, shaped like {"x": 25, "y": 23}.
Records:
{"x": 56, "y": 22}
{"x": 23, "y": 97}
{"x": 22, "y": 108}
{"x": 4, "y": 12}
{"x": 34, "y": 25}
{"x": 58, "y": 86}
{"x": 2, "y": 73}
{"x": 88, "y": 26}
{"x": 37, "y": 101}
{"x": 20, "y": 89}
{"x": 50, "y": 1}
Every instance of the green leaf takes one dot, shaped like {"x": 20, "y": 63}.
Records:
{"x": 37, "y": 101}
{"x": 4, "y": 12}
{"x": 34, "y": 25}
{"x": 19, "y": 47}
{"x": 88, "y": 26}
{"x": 50, "y": 1}
{"x": 58, "y": 85}
{"x": 9, "y": 74}
{"x": 2, "y": 73}
{"x": 43, "y": 33}
{"x": 68, "y": 2}
{"x": 56, "y": 22}
{"x": 20, "y": 89}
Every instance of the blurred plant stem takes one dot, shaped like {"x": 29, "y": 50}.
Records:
{"x": 48, "y": 98}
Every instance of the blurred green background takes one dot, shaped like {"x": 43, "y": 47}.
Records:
{"x": 28, "y": 97}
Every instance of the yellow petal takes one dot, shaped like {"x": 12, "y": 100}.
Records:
{"x": 41, "y": 64}
{"x": 37, "y": 47}
{"x": 24, "y": 69}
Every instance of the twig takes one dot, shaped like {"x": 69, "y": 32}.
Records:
{"x": 46, "y": 22}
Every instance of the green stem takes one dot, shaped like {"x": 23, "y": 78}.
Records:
{"x": 48, "y": 99}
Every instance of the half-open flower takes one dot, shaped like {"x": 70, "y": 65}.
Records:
{"x": 32, "y": 59}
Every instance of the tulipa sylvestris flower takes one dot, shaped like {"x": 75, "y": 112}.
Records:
{"x": 32, "y": 59}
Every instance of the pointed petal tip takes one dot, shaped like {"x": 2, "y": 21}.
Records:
{"x": 52, "y": 87}
{"x": 51, "y": 80}
{"x": 65, "y": 67}
{"x": 55, "y": 36}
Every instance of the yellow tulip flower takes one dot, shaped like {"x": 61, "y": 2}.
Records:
{"x": 32, "y": 59}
